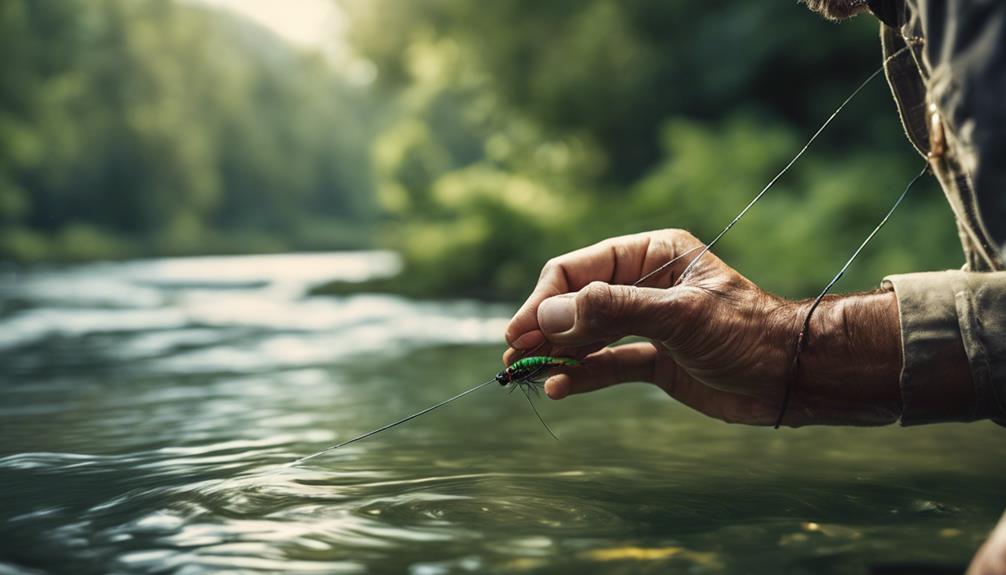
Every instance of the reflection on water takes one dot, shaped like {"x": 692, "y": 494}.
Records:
{"x": 148, "y": 411}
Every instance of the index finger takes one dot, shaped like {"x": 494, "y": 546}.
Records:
{"x": 621, "y": 260}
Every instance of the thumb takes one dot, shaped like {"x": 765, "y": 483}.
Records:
{"x": 604, "y": 312}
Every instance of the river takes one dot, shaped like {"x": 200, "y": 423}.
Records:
{"x": 148, "y": 409}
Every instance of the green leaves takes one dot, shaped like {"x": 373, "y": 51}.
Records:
{"x": 175, "y": 127}
{"x": 522, "y": 130}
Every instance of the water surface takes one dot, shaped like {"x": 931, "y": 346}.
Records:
{"x": 147, "y": 410}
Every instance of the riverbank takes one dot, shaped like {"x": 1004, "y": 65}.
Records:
{"x": 80, "y": 243}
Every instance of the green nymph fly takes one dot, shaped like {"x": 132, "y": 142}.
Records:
{"x": 525, "y": 374}
{"x": 529, "y": 370}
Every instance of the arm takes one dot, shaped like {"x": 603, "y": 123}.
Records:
{"x": 717, "y": 342}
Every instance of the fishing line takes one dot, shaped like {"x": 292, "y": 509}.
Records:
{"x": 705, "y": 249}
{"x": 785, "y": 169}
{"x": 801, "y": 343}
{"x": 664, "y": 266}
{"x": 390, "y": 425}
{"x": 759, "y": 196}
{"x": 804, "y": 336}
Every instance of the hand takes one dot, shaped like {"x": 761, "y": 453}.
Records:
{"x": 991, "y": 557}
{"x": 718, "y": 343}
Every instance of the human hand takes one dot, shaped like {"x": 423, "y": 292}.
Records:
{"x": 718, "y": 343}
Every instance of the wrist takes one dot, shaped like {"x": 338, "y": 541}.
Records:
{"x": 850, "y": 365}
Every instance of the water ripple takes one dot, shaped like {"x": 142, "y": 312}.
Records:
{"x": 149, "y": 412}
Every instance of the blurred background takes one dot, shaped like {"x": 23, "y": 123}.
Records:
{"x": 475, "y": 140}
{"x": 235, "y": 232}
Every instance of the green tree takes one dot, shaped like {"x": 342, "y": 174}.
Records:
{"x": 616, "y": 117}
{"x": 159, "y": 127}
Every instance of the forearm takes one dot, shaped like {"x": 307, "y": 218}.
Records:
{"x": 851, "y": 367}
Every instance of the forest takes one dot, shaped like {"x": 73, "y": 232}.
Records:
{"x": 492, "y": 137}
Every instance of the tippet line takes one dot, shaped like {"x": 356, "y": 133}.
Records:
{"x": 390, "y": 425}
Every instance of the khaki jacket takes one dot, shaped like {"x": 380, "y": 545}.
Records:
{"x": 950, "y": 88}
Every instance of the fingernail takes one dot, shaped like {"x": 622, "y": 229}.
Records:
{"x": 557, "y": 314}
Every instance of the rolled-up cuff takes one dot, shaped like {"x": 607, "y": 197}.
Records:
{"x": 936, "y": 379}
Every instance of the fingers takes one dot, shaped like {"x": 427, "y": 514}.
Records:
{"x": 610, "y": 366}
{"x": 621, "y": 260}
{"x": 604, "y": 312}
{"x": 511, "y": 355}
{"x": 644, "y": 362}
{"x": 722, "y": 405}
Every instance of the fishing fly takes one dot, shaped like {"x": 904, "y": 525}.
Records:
{"x": 527, "y": 375}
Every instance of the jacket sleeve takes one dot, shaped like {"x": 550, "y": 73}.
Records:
{"x": 945, "y": 317}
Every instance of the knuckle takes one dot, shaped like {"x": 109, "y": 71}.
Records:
{"x": 624, "y": 251}
{"x": 682, "y": 240}
{"x": 662, "y": 246}
{"x": 677, "y": 234}
{"x": 687, "y": 236}
{"x": 554, "y": 272}
{"x": 686, "y": 240}
{"x": 597, "y": 294}
{"x": 617, "y": 240}
{"x": 548, "y": 268}
{"x": 679, "y": 240}
{"x": 612, "y": 366}
{"x": 608, "y": 242}
{"x": 511, "y": 334}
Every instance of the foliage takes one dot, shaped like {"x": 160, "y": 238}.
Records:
{"x": 496, "y": 135}
{"x": 158, "y": 127}
{"x": 522, "y": 130}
